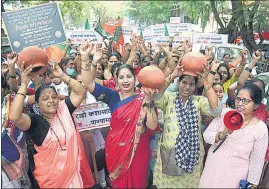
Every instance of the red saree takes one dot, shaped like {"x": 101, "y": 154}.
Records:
{"x": 57, "y": 168}
{"x": 261, "y": 113}
{"x": 127, "y": 148}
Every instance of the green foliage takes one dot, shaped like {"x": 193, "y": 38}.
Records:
{"x": 148, "y": 12}
{"x": 196, "y": 9}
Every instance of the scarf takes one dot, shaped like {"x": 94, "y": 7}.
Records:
{"x": 187, "y": 143}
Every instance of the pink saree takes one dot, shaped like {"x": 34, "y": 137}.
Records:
{"x": 57, "y": 168}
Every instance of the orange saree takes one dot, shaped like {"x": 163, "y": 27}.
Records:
{"x": 60, "y": 165}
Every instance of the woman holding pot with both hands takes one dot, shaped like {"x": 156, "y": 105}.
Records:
{"x": 59, "y": 156}
{"x": 132, "y": 123}
{"x": 181, "y": 152}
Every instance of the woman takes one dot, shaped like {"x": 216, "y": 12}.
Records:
{"x": 59, "y": 158}
{"x": 127, "y": 144}
{"x": 227, "y": 80}
{"x": 113, "y": 58}
{"x": 181, "y": 145}
{"x": 241, "y": 156}
{"x": 100, "y": 71}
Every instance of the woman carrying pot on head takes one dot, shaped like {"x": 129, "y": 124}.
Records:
{"x": 241, "y": 156}
{"x": 181, "y": 146}
{"x": 58, "y": 159}
{"x": 133, "y": 120}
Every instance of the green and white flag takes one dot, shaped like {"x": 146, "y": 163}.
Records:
{"x": 99, "y": 29}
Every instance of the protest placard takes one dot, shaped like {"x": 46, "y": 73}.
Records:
{"x": 158, "y": 30}
{"x": 36, "y": 26}
{"x": 82, "y": 36}
{"x": 216, "y": 39}
{"x": 92, "y": 116}
{"x": 175, "y": 20}
{"x": 178, "y": 28}
{"x": 164, "y": 39}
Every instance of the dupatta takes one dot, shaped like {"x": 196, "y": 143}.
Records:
{"x": 122, "y": 140}
{"x": 54, "y": 167}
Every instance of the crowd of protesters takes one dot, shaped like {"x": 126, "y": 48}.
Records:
{"x": 164, "y": 138}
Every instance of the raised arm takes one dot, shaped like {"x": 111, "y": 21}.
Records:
{"x": 242, "y": 64}
{"x": 21, "y": 120}
{"x": 12, "y": 58}
{"x": 208, "y": 90}
{"x": 78, "y": 91}
{"x": 245, "y": 74}
{"x": 88, "y": 71}
{"x": 66, "y": 48}
{"x": 213, "y": 71}
{"x": 132, "y": 56}
{"x": 126, "y": 54}
{"x": 178, "y": 71}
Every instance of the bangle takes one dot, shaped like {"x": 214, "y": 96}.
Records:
{"x": 212, "y": 72}
{"x": 206, "y": 89}
{"x": 248, "y": 69}
{"x": 21, "y": 94}
{"x": 94, "y": 65}
{"x": 68, "y": 80}
{"x": 12, "y": 76}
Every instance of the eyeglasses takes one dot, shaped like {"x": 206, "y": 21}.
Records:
{"x": 244, "y": 100}
{"x": 113, "y": 61}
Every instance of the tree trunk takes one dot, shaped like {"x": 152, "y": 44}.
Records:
{"x": 247, "y": 28}
{"x": 231, "y": 29}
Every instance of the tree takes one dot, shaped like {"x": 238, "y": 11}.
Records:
{"x": 196, "y": 9}
{"x": 148, "y": 12}
{"x": 246, "y": 20}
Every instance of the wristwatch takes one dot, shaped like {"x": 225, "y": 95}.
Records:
{"x": 248, "y": 69}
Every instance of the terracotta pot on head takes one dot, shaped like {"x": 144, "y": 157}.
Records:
{"x": 34, "y": 56}
{"x": 151, "y": 77}
{"x": 54, "y": 53}
{"x": 193, "y": 62}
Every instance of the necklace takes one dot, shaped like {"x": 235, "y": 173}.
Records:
{"x": 247, "y": 123}
{"x": 55, "y": 132}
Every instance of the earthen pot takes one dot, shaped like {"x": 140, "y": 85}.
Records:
{"x": 193, "y": 62}
{"x": 151, "y": 77}
{"x": 54, "y": 53}
{"x": 34, "y": 56}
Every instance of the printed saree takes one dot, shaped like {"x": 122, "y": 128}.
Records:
{"x": 126, "y": 144}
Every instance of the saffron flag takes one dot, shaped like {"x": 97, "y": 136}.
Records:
{"x": 118, "y": 35}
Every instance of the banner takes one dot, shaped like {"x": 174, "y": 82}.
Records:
{"x": 36, "y": 26}
{"x": 127, "y": 31}
{"x": 164, "y": 39}
{"x": 158, "y": 30}
{"x": 82, "y": 36}
{"x": 92, "y": 116}
{"x": 174, "y": 29}
{"x": 175, "y": 20}
{"x": 216, "y": 39}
